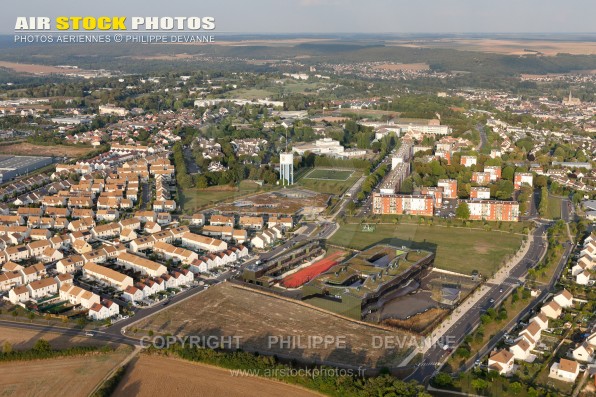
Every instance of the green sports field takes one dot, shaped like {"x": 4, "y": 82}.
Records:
{"x": 329, "y": 174}
{"x": 330, "y": 181}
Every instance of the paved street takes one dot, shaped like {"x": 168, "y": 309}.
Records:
{"x": 468, "y": 319}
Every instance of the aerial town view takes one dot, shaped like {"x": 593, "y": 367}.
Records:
{"x": 298, "y": 198}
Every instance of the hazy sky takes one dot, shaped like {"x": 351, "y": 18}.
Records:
{"x": 337, "y": 16}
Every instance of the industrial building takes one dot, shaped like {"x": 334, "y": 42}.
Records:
{"x": 14, "y": 166}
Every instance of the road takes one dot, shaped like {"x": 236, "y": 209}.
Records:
{"x": 537, "y": 302}
{"x": 434, "y": 357}
{"x": 145, "y": 195}
{"x": 567, "y": 210}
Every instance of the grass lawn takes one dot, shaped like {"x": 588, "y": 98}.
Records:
{"x": 329, "y": 174}
{"x": 329, "y": 186}
{"x": 554, "y": 208}
{"x": 192, "y": 199}
{"x": 459, "y": 250}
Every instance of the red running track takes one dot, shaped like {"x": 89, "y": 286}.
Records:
{"x": 306, "y": 274}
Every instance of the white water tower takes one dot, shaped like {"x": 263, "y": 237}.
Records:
{"x": 286, "y": 168}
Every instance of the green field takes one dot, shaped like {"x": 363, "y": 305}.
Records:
{"x": 330, "y": 186}
{"x": 252, "y": 93}
{"x": 193, "y": 199}
{"x": 554, "y": 208}
{"x": 457, "y": 249}
{"x": 329, "y": 174}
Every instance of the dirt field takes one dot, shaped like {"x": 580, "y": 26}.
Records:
{"x": 37, "y": 69}
{"x": 403, "y": 66}
{"x": 28, "y": 149}
{"x": 22, "y": 339}
{"x": 166, "y": 376}
{"x": 508, "y": 47}
{"x": 225, "y": 310}
{"x": 68, "y": 376}
{"x": 420, "y": 322}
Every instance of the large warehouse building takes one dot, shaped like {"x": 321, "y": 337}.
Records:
{"x": 13, "y": 166}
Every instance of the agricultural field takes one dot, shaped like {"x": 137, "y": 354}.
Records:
{"x": 64, "y": 376}
{"x": 460, "y": 250}
{"x": 23, "y": 339}
{"x": 37, "y": 69}
{"x": 29, "y": 149}
{"x": 329, "y": 181}
{"x": 507, "y": 46}
{"x": 162, "y": 376}
{"x": 230, "y": 310}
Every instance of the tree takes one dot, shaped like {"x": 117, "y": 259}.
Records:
{"x": 540, "y": 181}
{"x": 407, "y": 186}
{"x": 463, "y": 211}
{"x": 479, "y": 384}
{"x": 7, "y": 347}
{"x": 507, "y": 173}
{"x": 42, "y": 345}
{"x": 202, "y": 182}
{"x": 443, "y": 380}
{"x": 543, "y": 206}
{"x": 515, "y": 388}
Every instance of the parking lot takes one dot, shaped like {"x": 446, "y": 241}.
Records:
{"x": 448, "y": 208}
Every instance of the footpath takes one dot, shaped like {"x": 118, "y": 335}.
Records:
{"x": 499, "y": 278}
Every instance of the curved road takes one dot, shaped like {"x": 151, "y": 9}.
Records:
{"x": 434, "y": 358}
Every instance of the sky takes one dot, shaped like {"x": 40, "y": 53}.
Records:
{"x": 338, "y": 16}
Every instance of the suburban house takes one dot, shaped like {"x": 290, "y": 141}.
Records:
{"x": 565, "y": 370}
{"x": 564, "y": 299}
{"x": 583, "y": 278}
{"x": 41, "y": 288}
{"x": 142, "y": 265}
{"x": 169, "y": 251}
{"x": 197, "y": 220}
{"x": 220, "y": 220}
{"x": 104, "y": 310}
{"x": 541, "y": 320}
{"x": 501, "y": 362}
{"x": 551, "y": 310}
{"x": 521, "y": 350}
{"x": 584, "y": 353}
{"x": 132, "y": 294}
{"x": 109, "y": 276}
{"x": 198, "y": 242}
{"x": 531, "y": 333}
{"x": 10, "y": 280}
{"x": 70, "y": 264}
{"x": 64, "y": 279}
{"x": 18, "y": 294}
{"x": 251, "y": 222}
{"x": 98, "y": 312}
{"x": 286, "y": 223}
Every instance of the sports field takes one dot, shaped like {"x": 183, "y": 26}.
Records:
{"x": 460, "y": 250}
{"x": 308, "y": 273}
{"x": 329, "y": 174}
{"x": 324, "y": 180}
